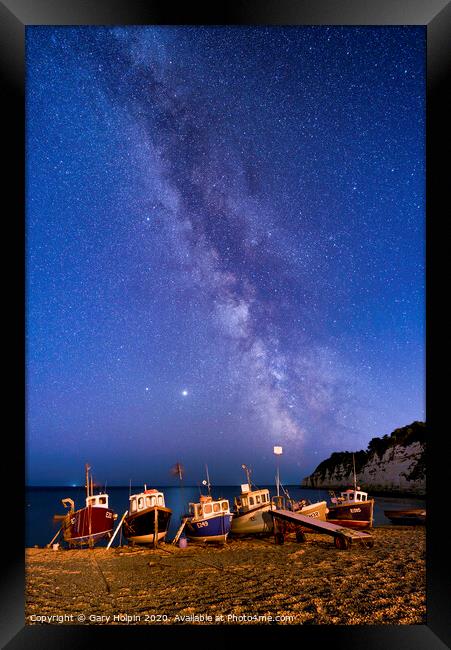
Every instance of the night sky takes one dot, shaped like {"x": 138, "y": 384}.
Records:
{"x": 225, "y": 236}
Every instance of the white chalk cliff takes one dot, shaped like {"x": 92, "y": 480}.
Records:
{"x": 393, "y": 463}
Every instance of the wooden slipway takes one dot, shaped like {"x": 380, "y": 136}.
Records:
{"x": 343, "y": 537}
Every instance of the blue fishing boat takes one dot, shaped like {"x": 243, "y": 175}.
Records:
{"x": 209, "y": 519}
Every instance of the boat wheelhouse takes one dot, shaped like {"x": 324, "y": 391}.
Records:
{"x": 86, "y": 526}
{"x": 147, "y": 520}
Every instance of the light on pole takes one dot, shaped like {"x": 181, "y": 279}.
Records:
{"x": 277, "y": 453}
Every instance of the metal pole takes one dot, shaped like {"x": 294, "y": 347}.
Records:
{"x": 155, "y": 532}
{"x": 115, "y": 532}
{"x": 50, "y": 543}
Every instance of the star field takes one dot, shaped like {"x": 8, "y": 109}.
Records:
{"x": 225, "y": 247}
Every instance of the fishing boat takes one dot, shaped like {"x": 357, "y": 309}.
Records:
{"x": 88, "y": 525}
{"x": 317, "y": 510}
{"x": 208, "y": 520}
{"x": 352, "y": 509}
{"x": 147, "y": 520}
{"x": 412, "y": 517}
{"x": 251, "y": 512}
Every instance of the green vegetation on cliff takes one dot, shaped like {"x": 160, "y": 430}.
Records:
{"x": 405, "y": 436}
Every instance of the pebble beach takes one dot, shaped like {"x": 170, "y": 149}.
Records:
{"x": 246, "y": 581}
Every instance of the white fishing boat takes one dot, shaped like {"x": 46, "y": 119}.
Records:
{"x": 251, "y": 513}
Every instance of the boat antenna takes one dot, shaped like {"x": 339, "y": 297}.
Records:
{"x": 208, "y": 481}
{"x": 285, "y": 491}
{"x": 355, "y": 479}
{"x": 130, "y": 488}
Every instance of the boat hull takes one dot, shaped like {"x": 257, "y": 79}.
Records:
{"x": 139, "y": 527}
{"x": 317, "y": 510}
{"x": 259, "y": 521}
{"x": 254, "y": 522}
{"x": 415, "y": 517}
{"x": 213, "y": 529}
{"x": 357, "y": 515}
{"x": 87, "y": 525}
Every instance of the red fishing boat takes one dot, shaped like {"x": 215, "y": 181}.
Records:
{"x": 88, "y": 525}
{"x": 353, "y": 508}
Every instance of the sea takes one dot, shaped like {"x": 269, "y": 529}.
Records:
{"x": 41, "y": 503}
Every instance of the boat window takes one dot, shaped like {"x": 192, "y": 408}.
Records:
{"x": 350, "y": 496}
{"x": 257, "y": 498}
{"x": 160, "y": 500}
{"x": 191, "y": 509}
{"x": 357, "y": 496}
{"x": 102, "y": 500}
{"x": 245, "y": 503}
{"x": 207, "y": 509}
{"x": 264, "y": 498}
{"x": 147, "y": 502}
{"x": 225, "y": 505}
{"x": 140, "y": 503}
{"x": 363, "y": 497}
{"x": 216, "y": 507}
{"x": 133, "y": 506}
{"x": 251, "y": 501}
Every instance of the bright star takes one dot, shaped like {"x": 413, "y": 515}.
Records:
{"x": 184, "y": 393}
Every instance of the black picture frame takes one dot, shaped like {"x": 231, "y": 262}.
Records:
{"x": 15, "y": 15}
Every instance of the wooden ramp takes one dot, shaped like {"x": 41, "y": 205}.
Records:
{"x": 343, "y": 537}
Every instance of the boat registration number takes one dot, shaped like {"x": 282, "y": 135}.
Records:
{"x": 313, "y": 514}
{"x": 108, "y": 514}
{"x": 202, "y": 524}
{"x": 353, "y": 510}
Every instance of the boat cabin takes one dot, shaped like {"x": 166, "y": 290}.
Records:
{"x": 351, "y": 496}
{"x": 209, "y": 507}
{"x": 251, "y": 499}
{"x": 145, "y": 500}
{"x": 97, "y": 501}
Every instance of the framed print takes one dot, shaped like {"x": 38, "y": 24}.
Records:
{"x": 221, "y": 244}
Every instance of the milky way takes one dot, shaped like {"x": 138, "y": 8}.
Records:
{"x": 225, "y": 247}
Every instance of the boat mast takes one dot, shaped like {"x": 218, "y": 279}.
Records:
{"x": 355, "y": 479}
{"x": 248, "y": 475}
{"x": 87, "y": 468}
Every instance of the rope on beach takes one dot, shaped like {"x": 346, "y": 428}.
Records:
{"x": 230, "y": 571}
{"x": 94, "y": 560}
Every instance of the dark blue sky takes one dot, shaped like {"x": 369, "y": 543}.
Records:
{"x": 225, "y": 247}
